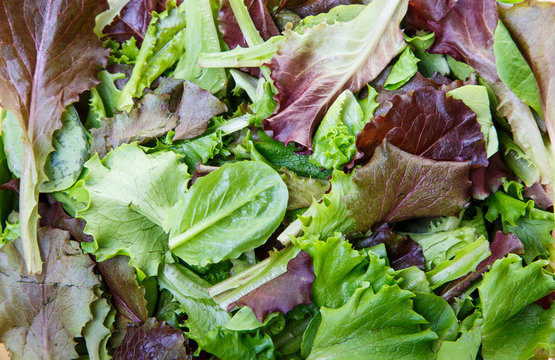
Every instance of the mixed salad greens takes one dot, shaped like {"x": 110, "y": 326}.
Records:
{"x": 271, "y": 179}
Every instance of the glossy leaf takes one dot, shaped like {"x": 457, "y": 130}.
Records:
{"x": 401, "y": 72}
{"x": 246, "y": 212}
{"x": 39, "y": 76}
{"x": 310, "y": 77}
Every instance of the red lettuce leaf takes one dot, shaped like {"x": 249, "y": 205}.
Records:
{"x": 487, "y": 180}
{"x": 50, "y": 55}
{"x": 132, "y": 21}
{"x": 260, "y": 16}
{"x": 501, "y": 246}
{"x": 153, "y": 340}
{"x": 396, "y": 186}
{"x": 541, "y": 195}
{"x": 428, "y": 124}
{"x": 283, "y": 293}
{"x": 402, "y": 251}
{"x": 311, "y": 69}
{"x": 466, "y": 32}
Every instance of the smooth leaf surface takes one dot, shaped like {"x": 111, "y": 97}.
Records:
{"x": 247, "y": 201}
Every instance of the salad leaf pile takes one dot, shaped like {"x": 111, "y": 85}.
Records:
{"x": 263, "y": 179}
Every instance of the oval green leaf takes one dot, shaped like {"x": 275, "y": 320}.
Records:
{"x": 231, "y": 210}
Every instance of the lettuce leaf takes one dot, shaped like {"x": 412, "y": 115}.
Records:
{"x": 396, "y": 186}
{"x": 513, "y": 328}
{"x": 401, "y": 72}
{"x": 312, "y": 69}
{"x": 42, "y": 314}
{"x": 125, "y": 198}
{"x": 465, "y": 30}
{"x": 334, "y": 141}
{"x": 162, "y": 47}
{"x": 373, "y": 325}
{"x": 38, "y": 97}
{"x": 428, "y": 124}
{"x": 153, "y": 339}
{"x": 200, "y": 36}
{"x": 239, "y": 215}
{"x": 131, "y": 21}
{"x": 284, "y": 292}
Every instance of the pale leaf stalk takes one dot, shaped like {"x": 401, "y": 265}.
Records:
{"x": 28, "y": 209}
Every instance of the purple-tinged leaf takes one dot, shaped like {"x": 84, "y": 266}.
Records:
{"x": 402, "y": 251}
{"x": 174, "y": 104}
{"x": 501, "y": 246}
{"x": 532, "y": 27}
{"x": 260, "y": 16}
{"x": 50, "y": 55}
{"x": 487, "y": 180}
{"x": 396, "y": 186}
{"x": 283, "y": 293}
{"x": 540, "y": 194}
{"x": 311, "y": 69}
{"x": 132, "y": 21}
{"x": 467, "y": 33}
{"x": 53, "y": 215}
{"x": 153, "y": 340}
{"x": 42, "y": 314}
{"x": 306, "y": 8}
{"x": 428, "y": 124}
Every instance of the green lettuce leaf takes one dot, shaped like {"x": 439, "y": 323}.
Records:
{"x": 404, "y": 68}
{"x": 98, "y": 330}
{"x": 200, "y": 36}
{"x": 518, "y": 161}
{"x": 476, "y": 98}
{"x": 187, "y": 288}
{"x": 303, "y": 191}
{"x": 373, "y": 325}
{"x": 429, "y": 63}
{"x": 334, "y": 141}
{"x": 162, "y": 46}
{"x": 464, "y": 261}
{"x": 238, "y": 215}
{"x": 440, "y": 315}
{"x": 125, "y": 199}
{"x": 42, "y": 314}
{"x": 330, "y": 215}
{"x": 340, "y": 270}
{"x": 513, "y": 69}
{"x": 513, "y": 328}
{"x": 467, "y": 345}
{"x": 232, "y": 345}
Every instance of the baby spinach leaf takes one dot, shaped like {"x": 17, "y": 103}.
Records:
{"x": 227, "y": 212}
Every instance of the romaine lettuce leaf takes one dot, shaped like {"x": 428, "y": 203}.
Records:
{"x": 239, "y": 215}
{"x": 312, "y": 69}
{"x": 126, "y": 197}
{"x": 200, "y": 36}
{"x": 401, "y": 72}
